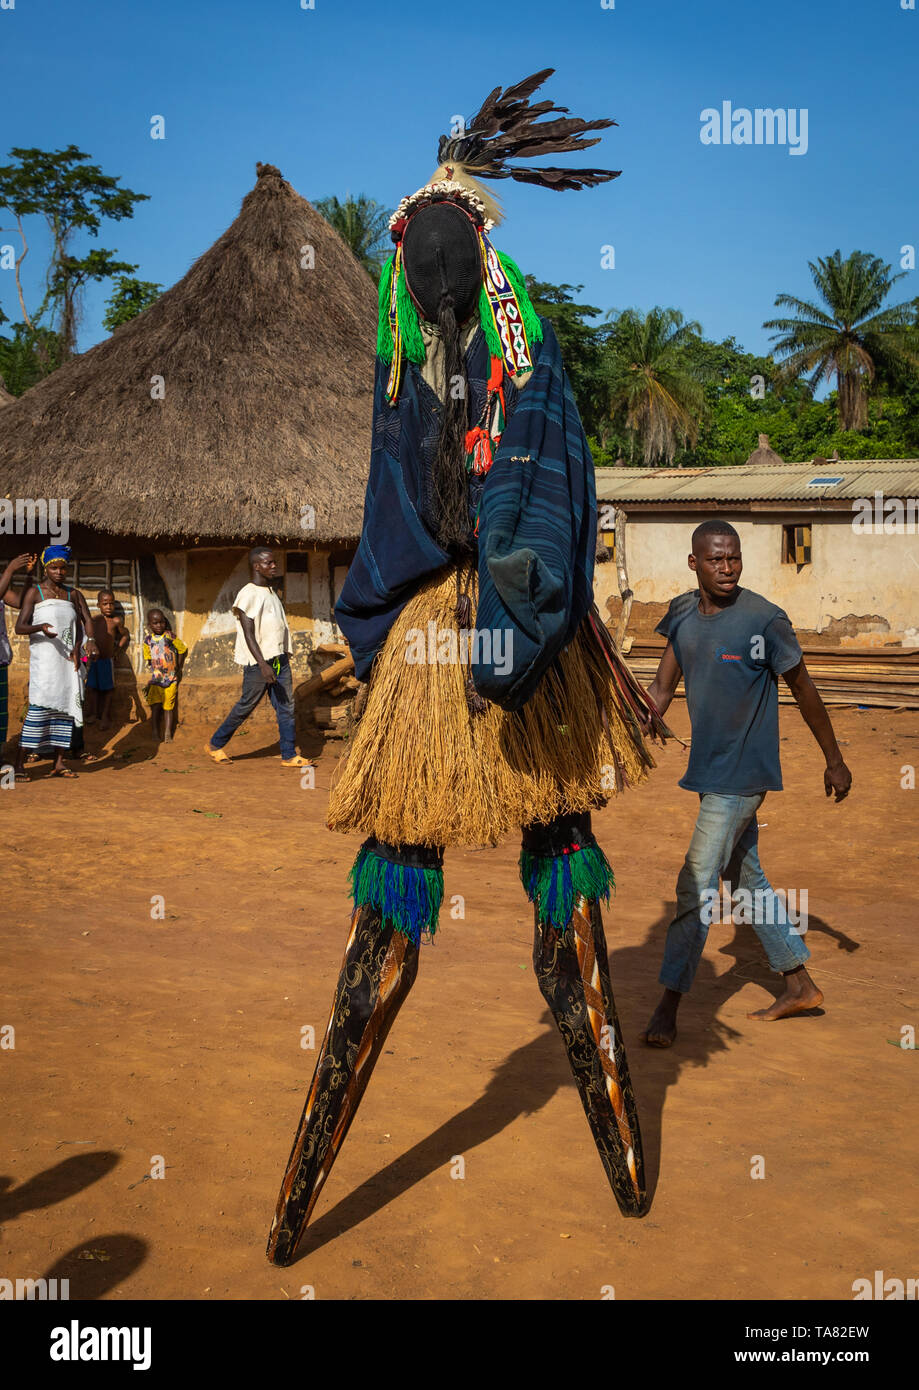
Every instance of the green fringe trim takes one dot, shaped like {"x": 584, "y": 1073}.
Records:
{"x": 408, "y": 897}
{"x": 531, "y": 322}
{"x": 384, "y": 333}
{"x": 412, "y": 341}
{"x": 553, "y": 882}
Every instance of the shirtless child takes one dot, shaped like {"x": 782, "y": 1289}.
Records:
{"x": 111, "y": 637}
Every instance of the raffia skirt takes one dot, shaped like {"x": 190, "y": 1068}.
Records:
{"x": 423, "y": 770}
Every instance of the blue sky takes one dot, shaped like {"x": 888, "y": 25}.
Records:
{"x": 351, "y": 96}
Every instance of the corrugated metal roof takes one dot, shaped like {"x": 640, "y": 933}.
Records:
{"x": 786, "y": 482}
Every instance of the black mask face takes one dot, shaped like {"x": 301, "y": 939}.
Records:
{"x": 440, "y": 253}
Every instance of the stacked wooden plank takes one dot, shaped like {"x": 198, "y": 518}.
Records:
{"x": 335, "y": 686}
{"x": 886, "y": 677}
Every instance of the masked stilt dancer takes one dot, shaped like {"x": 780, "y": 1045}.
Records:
{"x": 496, "y": 699}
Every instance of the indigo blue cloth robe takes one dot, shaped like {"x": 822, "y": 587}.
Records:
{"x": 537, "y": 521}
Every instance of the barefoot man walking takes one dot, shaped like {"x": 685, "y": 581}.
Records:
{"x": 731, "y": 645}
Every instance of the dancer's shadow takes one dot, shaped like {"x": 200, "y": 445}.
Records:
{"x": 55, "y": 1184}
{"x": 96, "y": 1265}
{"x": 530, "y": 1076}
{"x": 702, "y": 1034}
{"x": 523, "y": 1083}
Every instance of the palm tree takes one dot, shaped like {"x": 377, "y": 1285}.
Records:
{"x": 652, "y": 388}
{"x": 363, "y": 224}
{"x": 850, "y": 334}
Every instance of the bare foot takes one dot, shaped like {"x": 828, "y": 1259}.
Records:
{"x": 800, "y": 994}
{"x": 661, "y": 1031}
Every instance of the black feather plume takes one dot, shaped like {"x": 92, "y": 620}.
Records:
{"x": 507, "y": 126}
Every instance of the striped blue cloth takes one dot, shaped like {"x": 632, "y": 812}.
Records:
{"x": 397, "y": 552}
{"x": 45, "y": 728}
{"x": 537, "y": 522}
{"x": 537, "y": 535}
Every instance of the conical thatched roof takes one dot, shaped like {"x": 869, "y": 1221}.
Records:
{"x": 267, "y": 370}
{"x": 763, "y": 453}
{"x": 5, "y": 397}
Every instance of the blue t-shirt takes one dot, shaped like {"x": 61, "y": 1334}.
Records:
{"x": 731, "y": 661}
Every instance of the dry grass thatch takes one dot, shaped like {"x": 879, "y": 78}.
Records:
{"x": 448, "y": 778}
{"x": 268, "y": 378}
{"x": 764, "y": 453}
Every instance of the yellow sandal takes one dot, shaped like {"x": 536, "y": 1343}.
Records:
{"x": 217, "y": 754}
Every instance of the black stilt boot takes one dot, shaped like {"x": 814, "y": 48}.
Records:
{"x": 563, "y": 870}
{"x": 378, "y": 970}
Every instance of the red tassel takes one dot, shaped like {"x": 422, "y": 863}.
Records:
{"x": 478, "y": 444}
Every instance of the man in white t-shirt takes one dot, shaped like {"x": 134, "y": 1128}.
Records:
{"x": 263, "y": 651}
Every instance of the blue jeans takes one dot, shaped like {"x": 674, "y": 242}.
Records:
{"x": 281, "y": 695}
{"x": 724, "y": 845}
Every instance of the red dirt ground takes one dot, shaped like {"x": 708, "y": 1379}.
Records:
{"x": 181, "y": 1038}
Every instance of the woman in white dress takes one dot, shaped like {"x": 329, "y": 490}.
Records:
{"x": 55, "y": 619}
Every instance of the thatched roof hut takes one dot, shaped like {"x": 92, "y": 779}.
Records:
{"x": 764, "y": 453}
{"x": 227, "y": 409}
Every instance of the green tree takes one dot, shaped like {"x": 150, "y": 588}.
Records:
{"x": 655, "y": 391}
{"x": 580, "y": 343}
{"x": 849, "y": 335}
{"x": 128, "y": 299}
{"x": 363, "y": 225}
{"x": 72, "y": 196}
{"x": 27, "y": 355}
{"x": 743, "y": 393}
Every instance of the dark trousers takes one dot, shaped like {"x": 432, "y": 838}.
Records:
{"x": 281, "y": 695}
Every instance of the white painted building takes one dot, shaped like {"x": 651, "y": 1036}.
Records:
{"x": 833, "y": 542}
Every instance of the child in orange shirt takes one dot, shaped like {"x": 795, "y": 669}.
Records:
{"x": 164, "y": 653}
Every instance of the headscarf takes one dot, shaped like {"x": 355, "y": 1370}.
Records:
{"x": 55, "y": 552}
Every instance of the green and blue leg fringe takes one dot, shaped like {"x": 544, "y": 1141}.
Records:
{"x": 553, "y": 881}
{"x": 404, "y": 883}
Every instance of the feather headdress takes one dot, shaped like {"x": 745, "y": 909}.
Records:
{"x": 506, "y": 127}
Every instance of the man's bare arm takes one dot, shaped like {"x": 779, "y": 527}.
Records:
{"x": 837, "y": 777}
{"x": 662, "y": 688}
{"x": 10, "y": 597}
{"x": 248, "y": 627}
